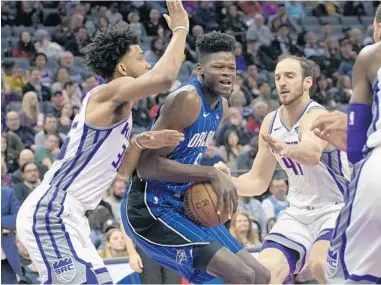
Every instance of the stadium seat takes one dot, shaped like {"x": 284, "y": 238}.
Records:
{"x": 4, "y": 44}
{"x": 350, "y": 21}
{"x": 14, "y": 106}
{"x": 366, "y": 20}
{"x": 332, "y": 20}
{"x": 18, "y": 30}
{"x": 52, "y": 63}
{"x": 50, "y": 30}
{"x": 14, "y": 40}
{"x": 337, "y": 30}
{"x": 6, "y": 32}
{"x": 312, "y": 28}
{"x": 309, "y": 21}
{"x": 23, "y": 63}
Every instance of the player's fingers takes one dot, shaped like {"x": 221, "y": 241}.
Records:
{"x": 228, "y": 204}
{"x": 170, "y": 6}
{"x": 167, "y": 19}
{"x": 235, "y": 201}
{"x": 140, "y": 263}
{"x": 322, "y": 136}
{"x": 220, "y": 201}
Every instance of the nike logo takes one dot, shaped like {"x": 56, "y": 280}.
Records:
{"x": 277, "y": 129}
{"x": 205, "y": 115}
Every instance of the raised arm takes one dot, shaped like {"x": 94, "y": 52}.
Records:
{"x": 257, "y": 180}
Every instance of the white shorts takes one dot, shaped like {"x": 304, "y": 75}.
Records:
{"x": 355, "y": 252}
{"x": 298, "y": 229}
{"x": 53, "y": 228}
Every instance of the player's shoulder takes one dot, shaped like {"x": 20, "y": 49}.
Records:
{"x": 184, "y": 95}
{"x": 370, "y": 55}
{"x": 267, "y": 122}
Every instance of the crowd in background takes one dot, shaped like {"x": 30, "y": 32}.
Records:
{"x": 43, "y": 82}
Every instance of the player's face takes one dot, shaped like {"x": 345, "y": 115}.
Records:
{"x": 133, "y": 63}
{"x": 376, "y": 31}
{"x": 289, "y": 81}
{"x": 218, "y": 73}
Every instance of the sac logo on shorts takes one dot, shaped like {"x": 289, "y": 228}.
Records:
{"x": 64, "y": 269}
{"x": 332, "y": 262}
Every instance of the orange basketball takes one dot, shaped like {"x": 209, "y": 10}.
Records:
{"x": 200, "y": 204}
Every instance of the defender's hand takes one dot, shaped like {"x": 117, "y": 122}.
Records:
{"x": 177, "y": 15}
{"x": 226, "y": 192}
{"x": 136, "y": 262}
{"x": 223, "y": 167}
{"x": 159, "y": 139}
{"x": 278, "y": 147}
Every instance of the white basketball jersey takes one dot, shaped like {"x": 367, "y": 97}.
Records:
{"x": 89, "y": 158}
{"x": 311, "y": 186}
{"x": 374, "y": 131}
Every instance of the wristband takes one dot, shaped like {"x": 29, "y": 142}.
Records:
{"x": 180, "y": 28}
{"x": 138, "y": 144}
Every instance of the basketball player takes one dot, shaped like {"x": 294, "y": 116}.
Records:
{"x": 153, "y": 211}
{"x": 355, "y": 247}
{"x": 317, "y": 172}
{"x": 51, "y": 222}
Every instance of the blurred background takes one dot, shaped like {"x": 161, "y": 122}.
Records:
{"x": 43, "y": 82}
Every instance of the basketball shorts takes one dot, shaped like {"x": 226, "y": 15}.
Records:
{"x": 52, "y": 226}
{"x": 171, "y": 237}
{"x": 354, "y": 255}
{"x": 296, "y": 230}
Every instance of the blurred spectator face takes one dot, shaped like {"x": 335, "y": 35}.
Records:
{"x": 67, "y": 110}
{"x": 242, "y": 224}
{"x": 322, "y": 83}
{"x": 40, "y": 61}
{"x": 315, "y": 71}
{"x": 238, "y": 49}
{"x": 233, "y": 11}
{"x": 51, "y": 142}
{"x": 26, "y": 156}
{"x": 116, "y": 241}
{"x": 25, "y": 37}
{"x": 204, "y": 4}
{"x": 284, "y": 31}
{"x": 210, "y": 148}
{"x": 77, "y": 21}
{"x": 252, "y": 83}
{"x": 260, "y": 109}
{"x": 91, "y": 82}
{"x": 102, "y": 12}
{"x": 237, "y": 99}
{"x": 154, "y": 15}
{"x": 135, "y": 18}
{"x": 279, "y": 189}
{"x": 63, "y": 74}
{"x": 57, "y": 99}
{"x": 376, "y": 31}
{"x": 82, "y": 34}
{"x": 252, "y": 71}
{"x": 119, "y": 187}
{"x": 70, "y": 89}
{"x": 25, "y": 6}
{"x": 218, "y": 71}
{"x": 239, "y": 80}
{"x": 67, "y": 59}
{"x": 159, "y": 45}
{"x": 311, "y": 39}
{"x": 332, "y": 44}
{"x": 289, "y": 81}
{"x": 233, "y": 139}
{"x": 235, "y": 117}
{"x": 281, "y": 10}
{"x": 50, "y": 124}
{"x": 103, "y": 22}
{"x": 4, "y": 144}
{"x": 326, "y": 30}
{"x": 253, "y": 46}
{"x": 356, "y": 36}
{"x": 30, "y": 173}
{"x": 197, "y": 30}
{"x": 259, "y": 20}
{"x": 35, "y": 76}
{"x": 346, "y": 47}
{"x": 265, "y": 90}
{"x": 13, "y": 120}
{"x": 80, "y": 9}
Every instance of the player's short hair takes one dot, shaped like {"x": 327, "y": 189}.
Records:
{"x": 214, "y": 42}
{"x": 107, "y": 48}
{"x": 305, "y": 65}
{"x": 377, "y": 16}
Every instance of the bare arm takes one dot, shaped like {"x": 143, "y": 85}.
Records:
{"x": 257, "y": 180}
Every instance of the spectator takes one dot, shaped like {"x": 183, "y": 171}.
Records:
{"x": 10, "y": 261}
{"x": 136, "y": 25}
{"x": 231, "y": 149}
{"x": 325, "y": 32}
{"x": 7, "y": 15}
{"x": 281, "y": 18}
{"x": 34, "y": 84}
{"x": 312, "y": 49}
{"x": 260, "y": 110}
{"x": 354, "y": 8}
{"x": 5, "y": 178}
{"x": 26, "y": 156}
{"x": 46, "y": 46}
{"x": 30, "y": 181}
{"x": 102, "y": 24}
{"x": 332, "y": 56}
{"x": 348, "y": 56}
{"x": 62, "y": 76}
{"x": 259, "y": 32}
{"x": 283, "y": 43}
{"x": 250, "y": 8}
{"x": 70, "y": 95}
{"x": 321, "y": 95}
{"x": 112, "y": 14}
{"x": 256, "y": 56}
{"x": 65, "y": 119}
{"x": 277, "y": 202}
{"x": 212, "y": 155}
{"x": 75, "y": 73}
{"x": 205, "y": 16}
{"x": 115, "y": 245}
{"x": 30, "y": 271}
{"x": 255, "y": 211}
{"x": 25, "y": 133}
{"x": 26, "y": 15}
{"x": 234, "y": 22}
{"x": 64, "y": 33}
{"x": 47, "y": 154}
{"x": 245, "y": 159}
{"x": 97, "y": 220}
{"x": 11, "y": 146}
{"x": 30, "y": 115}
{"x": 39, "y": 62}
{"x": 157, "y": 50}
{"x": 50, "y": 126}
{"x": 54, "y": 106}
{"x": 295, "y": 9}
{"x": 77, "y": 45}
{"x": 154, "y": 27}
{"x": 343, "y": 93}
{"x": 116, "y": 191}
{"x": 237, "y": 99}
{"x": 24, "y": 48}
{"x": 356, "y": 37}
{"x": 91, "y": 82}
{"x": 265, "y": 96}
{"x": 242, "y": 229}
{"x": 14, "y": 77}
{"x": 269, "y": 8}
{"x": 239, "y": 58}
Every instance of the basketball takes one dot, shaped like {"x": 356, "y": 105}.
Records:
{"x": 200, "y": 204}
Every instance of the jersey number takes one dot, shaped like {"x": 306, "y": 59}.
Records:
{"x": 116, "y": 164}
{"x": 290, "y": 164}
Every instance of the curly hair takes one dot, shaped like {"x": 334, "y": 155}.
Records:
{"x": 214, "y": 42}
{"x": 107, "y": 48}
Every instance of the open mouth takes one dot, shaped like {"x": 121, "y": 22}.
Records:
{"x": 284, "y": 92}
{"x": 226, "y": 82}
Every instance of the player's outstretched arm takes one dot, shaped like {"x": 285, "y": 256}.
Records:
{"x": 257, "y": 180}
{"x": 165, "y": 71}
{"x": 147, "y": 140}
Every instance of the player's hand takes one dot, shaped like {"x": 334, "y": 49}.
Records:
{"x": 226, "y": 192}
{"x": 332, "y": 127}
{"x": 136, "y": 262}
{"x": 278, "y": 147}
{"x": 159, "y": 139}
{"x": 223, "y": 167}
{"x": 177, "y": 15}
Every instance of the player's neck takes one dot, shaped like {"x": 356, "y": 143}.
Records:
{"x": 292, "y": 112}
{"x": 210, "y": 97}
